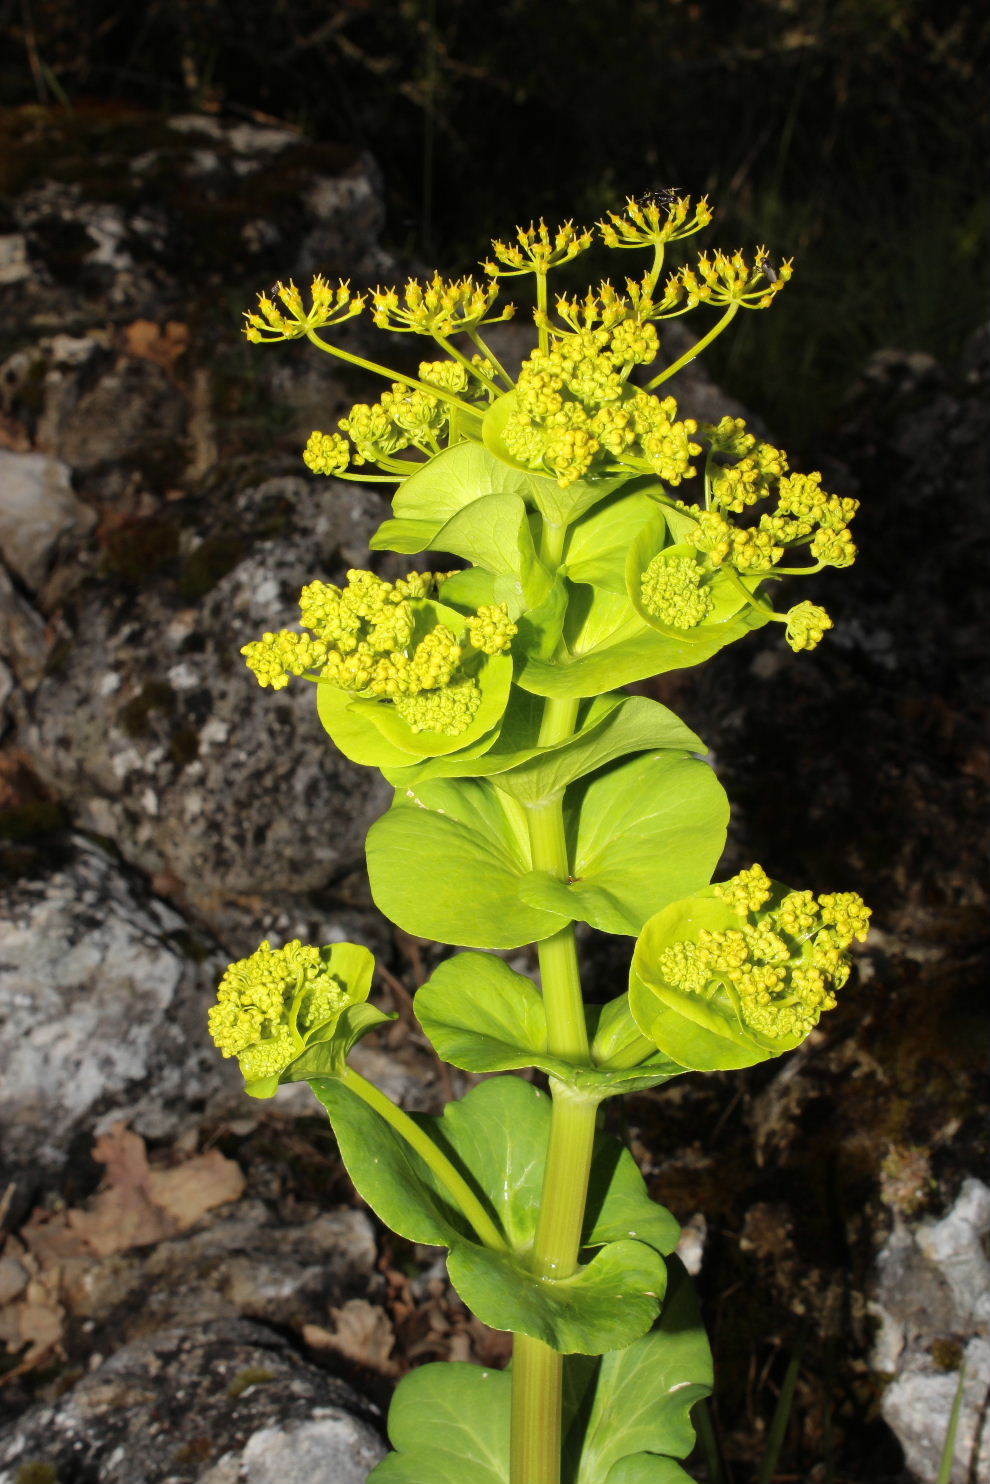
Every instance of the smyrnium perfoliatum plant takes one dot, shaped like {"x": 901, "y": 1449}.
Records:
{"x": 588, "y": 537}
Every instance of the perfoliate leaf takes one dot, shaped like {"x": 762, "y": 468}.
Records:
{"x": 604, "y": 1305}
{"x": 636, "y": 832}
{"x": 597, "y": 547}
{"x": 625, "y": 1414}
{"x": 713, "y": 1026}
{"x": 630, "y": 724}
{"x": 641, "y": 1397}
{"x": 605, "y": 643}
{"x": 641, "y": 833}
{"x": 476, "y": 843}
{"x": 482, "y": 1016}
{"x": 497, "y": 1137}
{"x": 454, "y": 478}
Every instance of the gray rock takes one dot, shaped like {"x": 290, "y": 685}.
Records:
{"x": 23, "y": 641}
{"x": 219, "y": 1403}
{"x": 164, "y": 740}
{"x": 38, "y": 513}
{"x": 239, "y": 1263}
{"x": 102, "y": 1010}
{"x": 933, "y": 1292}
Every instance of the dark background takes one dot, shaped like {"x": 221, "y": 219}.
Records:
{"x": 850, "y": 135}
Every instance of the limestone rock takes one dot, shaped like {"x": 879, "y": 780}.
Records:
{"x": 102, "y": 1010}
{"x": 933, "y": 1304}
{"x": 227, "y": 1402}
{"x": 38, "y": 513}
{"x": 154, "y": 726}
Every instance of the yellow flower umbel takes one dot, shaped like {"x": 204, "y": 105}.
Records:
{"x": 375, "y": 640}
{"x": 756, "y": 514}
{"x": 328, "y": 306}
{"x": 743, "y": 972}
{"x": 275, "y": 1004}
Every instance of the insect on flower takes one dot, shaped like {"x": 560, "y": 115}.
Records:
{"x": 662, "y": 196}
{"x": 766, "y": 265}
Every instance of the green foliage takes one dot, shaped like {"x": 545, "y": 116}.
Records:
{"x": 626, "y": 1415}
{"x": 604, "y": 540}
{"x": 498, "y": 1133}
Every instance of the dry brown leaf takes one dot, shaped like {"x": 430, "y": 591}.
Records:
{"x": 139, "y": 1205}
{"x": 363, "y": 1332}
{"x": 33, "y": 1321}
{"x": 191, "y": 1189}
{"x": 153, "y": 343}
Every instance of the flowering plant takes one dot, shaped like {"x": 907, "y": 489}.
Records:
{"x": 591, "y": 538}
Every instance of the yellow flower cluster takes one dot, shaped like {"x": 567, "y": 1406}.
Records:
{"x": 575, "y": 416}
{"x": 363, "y": 640}
{"x": 328, "y": 306}
{"x": 725, "y": 279}
{"x": 536, "y": 250}
{"x": 654, "y": 219}
{"x": 782, "y": 964}
{"x": 271, "y": 1003}
{"x": 440, "y": 307}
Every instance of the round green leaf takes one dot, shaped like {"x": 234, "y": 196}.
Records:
{"x": 449, "y": 1422}
{"x": 482, "y": 1016}
{"x": 629, "y": 724}
{"x": 446, "y": 862}
{"x": 643, "y": 1395}
{"x": 603, "y": 1306}
{"x": 455, "y": 478}
{"x": 598, "y": 545}
{"x": 637, "y": 831}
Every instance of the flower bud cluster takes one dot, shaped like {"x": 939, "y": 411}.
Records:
{"x": 363, "y": 640}
{"x": 440, "y": 307}
{"x": 403, "y": 417}
{"x": 741, "y": 472}
{"x": 782, "y": 965}
{"x": 328, "y": 306}
{"x": 271, "y": 1003}
{"x": 536, "y": 250}
{"x": 574, "y": 415}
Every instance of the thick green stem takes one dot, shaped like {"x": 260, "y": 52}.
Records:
{"x": 537, "y": 1369}
{"x": 537, "y": 1372}
{"x": 453, "y": 1182}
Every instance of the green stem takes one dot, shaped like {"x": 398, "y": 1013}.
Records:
{"x": 630, "y": 1055}
{"x": 537, "y": 1369}
{"x": 459, "y": 355}
{"x": 696, "y": 349}
{"x": 389, "y": 374}
{"x": 537, "y": 1372}
{"x": 489, "y": 355}
{"x": 541, "y": 305}
{"x": 453, "y": 1182}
